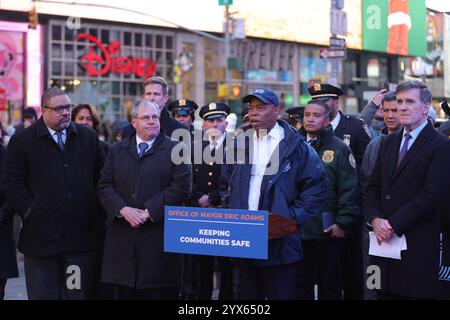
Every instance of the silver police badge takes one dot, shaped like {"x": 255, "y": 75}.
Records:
{"x": 366, "y": 129}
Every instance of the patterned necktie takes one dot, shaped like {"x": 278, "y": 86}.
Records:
{"x": 142, "y": 147}
{"x": 60, "y": 140}
{"x": 404, "y": 148}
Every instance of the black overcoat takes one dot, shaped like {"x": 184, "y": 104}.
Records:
{"x": 134, "y": 257}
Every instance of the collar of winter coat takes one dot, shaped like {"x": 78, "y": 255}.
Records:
{"x": 324, "y": 135}
{"x": 159, "y": 141}
{"x": 42, "y": 130}
{"x": 287, "y": 145}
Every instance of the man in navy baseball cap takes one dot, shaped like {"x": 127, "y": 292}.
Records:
{"x": 265, "y": 95}
{"x": 263, "y": 108}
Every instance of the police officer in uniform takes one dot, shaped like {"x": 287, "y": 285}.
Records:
{"x": 355, "y": 133}
{"x": 183, "y": 110}
{"x": 322, "y": 236}
{"x": 295, "y": 116}
{"x": 205, "y": 193}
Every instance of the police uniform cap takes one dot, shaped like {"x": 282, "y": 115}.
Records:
{"x": 214, "y": 110}
{"x": 182, "y": 107}
{"x": 296, "y": 112}
{"x": 325, "y": 90}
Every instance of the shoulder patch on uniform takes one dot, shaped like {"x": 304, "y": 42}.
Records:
{"x": 346, "y": 138}
{"x": 352, "y": 161}
{"x": 366, "y": 129}
{"x": 328, "y": 156}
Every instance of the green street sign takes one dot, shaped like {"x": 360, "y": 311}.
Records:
{"x": 225, "y": 2}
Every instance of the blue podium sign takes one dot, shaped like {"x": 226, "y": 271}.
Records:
{"x": 216, "y": 232}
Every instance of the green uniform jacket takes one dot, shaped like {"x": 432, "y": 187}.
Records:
{"x": 342, "y": 183}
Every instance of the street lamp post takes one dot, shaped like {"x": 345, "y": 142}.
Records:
{"x": 227, "y": 43}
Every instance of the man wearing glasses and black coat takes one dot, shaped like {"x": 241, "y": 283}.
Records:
{"x": 50, "y": 178}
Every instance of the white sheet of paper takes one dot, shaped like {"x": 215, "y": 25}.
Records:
{"x": 390, "y": 249}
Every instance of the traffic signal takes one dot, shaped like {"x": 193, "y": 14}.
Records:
{"x": 235, "y": 90}
{"x": 33, "y": 18}
{"x": 229, "y": 91}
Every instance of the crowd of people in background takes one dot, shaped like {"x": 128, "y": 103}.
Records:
{"x": 92, "y": 194}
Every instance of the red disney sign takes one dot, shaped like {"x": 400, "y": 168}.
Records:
{"x": 121, "y": 64}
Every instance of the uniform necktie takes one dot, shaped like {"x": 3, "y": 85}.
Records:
{"x": 213, "y": 148}
{"x": 312, "y": 142}
{"x": 404, "y": 148}
{"x": 60, "y": 140}
{"x": 142, "y": 147}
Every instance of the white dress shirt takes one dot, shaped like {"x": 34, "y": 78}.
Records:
{"x": 335, "y": 122}
{"x": 309, "y": 139}
{"x": 414, "y": 134}
{"x": 55, "y": 137}
{"x": 218, "y": 141}
{"x": 262, "y": 151}
{"x": 139, "y": 140}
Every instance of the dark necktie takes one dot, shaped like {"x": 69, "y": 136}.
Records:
{"x": 404, "y": 148}
{"x": 60, "y": 140}
{"x": 213, "y": 148}
{"x": 142, "y": 147}
{"x": 312, "y": 142}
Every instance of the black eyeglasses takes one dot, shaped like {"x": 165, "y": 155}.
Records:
{"x": 60, "y": 109}
{"x": 154, "y": 117}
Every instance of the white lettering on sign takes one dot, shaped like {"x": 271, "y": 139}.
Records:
{"x": 373, "y": 21}
{"x": 240, "y": 243}
{"x": 219, "y": 233}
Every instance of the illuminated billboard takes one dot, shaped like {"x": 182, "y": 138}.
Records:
{"x": 291, "y": 20}
{"x": 395, "y": 26}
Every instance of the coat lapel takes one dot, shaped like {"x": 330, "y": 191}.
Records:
{"x": 340, "y": 127}
{"x": 157, "y": 144}
{"x": 42, "y": 131}
{"x": 131, "y": 146}
{"x": 393, "y": 153}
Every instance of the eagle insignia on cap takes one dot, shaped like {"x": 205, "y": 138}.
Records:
{"x": 182, "y": 102}
{"x": 317, "y": 87}
{"x": 212, "y": 106}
